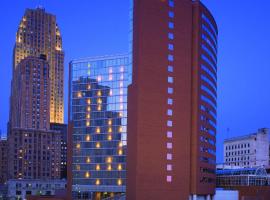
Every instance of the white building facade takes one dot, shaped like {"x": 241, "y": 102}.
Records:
{"x": 247, "y": 151}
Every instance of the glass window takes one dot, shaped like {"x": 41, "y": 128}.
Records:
{"x": 171, "y": 3}
{"x": 170, "y": 57}
{"x": 169, "y": 145}
{"x": 169, "y": 179}
{"x": 170, "y": 68}
{"x": 171, "y": 47}
{"x": 169, "y": 156}
{"x": 170, "y": 101}
{"x": 169, "y": 123}
{"x": 170, "y": 79}
{"x": 171, "y": 36}
{"x": 171, "y": 25}
{"x": 169, "y": 167}
{"x": 169, "y": 112}
{"x": 170, "y": 90}
{"x": 171, "y": 14}
{"x": 169, "y": 134}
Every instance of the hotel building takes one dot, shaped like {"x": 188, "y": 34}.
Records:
{"x": 172, "y": 101}
{"x": 97, "y": 126}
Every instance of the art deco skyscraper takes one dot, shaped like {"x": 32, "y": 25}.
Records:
{"x": 38, "y": 33}
{"x": 172, "y": 102}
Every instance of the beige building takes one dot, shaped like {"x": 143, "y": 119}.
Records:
{"x": 248, "y": 151}
{"x": 38, "y": 33}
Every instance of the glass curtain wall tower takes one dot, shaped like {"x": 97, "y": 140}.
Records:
{"x": 97, "y": 125}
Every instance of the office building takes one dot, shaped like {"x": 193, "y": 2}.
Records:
{"x": 3, "y": 160}
{"x": 172, "y": 102}
{"x": 34, "y": 154}
{"x": 62, "y": 128}
{"x": 30, "y": 101}
{"x": 38, "y": 33}
{"x": 97, "y": 126}
{"x": 247, "y": 151}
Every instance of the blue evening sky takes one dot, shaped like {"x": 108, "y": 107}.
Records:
{"x": 100, "y": 27}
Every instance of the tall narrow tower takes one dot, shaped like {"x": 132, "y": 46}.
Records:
{"x": 38, "y": 33}
{"x": 172, "y": 102}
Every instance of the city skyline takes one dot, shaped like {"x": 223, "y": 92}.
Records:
{"x": 236, "y": 54}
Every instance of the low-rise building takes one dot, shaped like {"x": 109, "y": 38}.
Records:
{"x": 3, "y": 160}
{"x": 248, "y": 151}
{"x": 19, "y": 189}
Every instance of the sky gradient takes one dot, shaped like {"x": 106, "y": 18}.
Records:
{"x": 100, "y": 27}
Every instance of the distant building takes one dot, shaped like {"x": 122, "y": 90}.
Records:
{"x": 98, "y": 120}
{"x": 34, "y": 154}
{"x": 19, "y": 189}
{"x": 38, "y": 33}
{"x": 3, "y": 161}
{"x": 30, "y": 99}
{"x": 63, "y": 130}
{"x": 248, "y": 151}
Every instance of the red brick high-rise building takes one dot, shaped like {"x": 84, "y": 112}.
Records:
{"x": 172, "y": 101}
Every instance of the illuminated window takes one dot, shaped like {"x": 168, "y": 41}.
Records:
{"x": 88, "y": 160}
{"x": 111, "y": 92}
{"x": 169, "y": 167}
{"x": 88, "y": 116}
{"x": 170, "y": 101}
{"x": 88, "y": 138}
{"x": 169, "y": 112}
{"x": 171, "y": 36}
{"x": 170, "y": 79}
{"x": 169, "y": 156}
{"x": 119, "y": 182}
{"x": 88, "y": 101}
{"x": 109, "y": 160}
{"x": 169, "y": 145}
{"x": 109, "y": 137}
{"x": 119, "y": 167}
{"x": 99, "y": 93}
{"x": 79, "y": 94}
{"x": 171, "y": 3}
{"x": 109, "y": 130}
{"x": 97, "y": 167}
{"x": 169, "y": 134}
{"x": 99, "y": 101}
{"x": 120, "y": 152}
{"x": 170, "y": 47}
{"x": 78, "y": 146}
{"x": 170, "y": 68}
{"x": 87, "y": 174}
{"x": 120, "y": 144}
{"x": 109, "y": 167}
{"x": 170, "y": 57}
{"x": 171, "y": 25}
{"x": 97, "y": 182}
{"x": 97, "y": 130}
{"x": 120, "y": 114}
{"x": 110, "y": 77}
{"x": 171, "y": 14}
{"x": 122, "y": 69}
{"x": 88, "y": 108}
{"x": 109, "y": 122}
{"x": 99, "y": 107}
{"x": 88, "y": 123}
{"x": 120, "y": 129}
{"x": 89, "y": 87}
{"x": 78, "y": 167}
{"x": 170, "y": 90}
{"x": 169, "y": 123}
{"x": 98, "y": 145}
{"x": 99, "y": 78}
{"x": 121, "y": 84}
{"x": 169, "y": 179}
